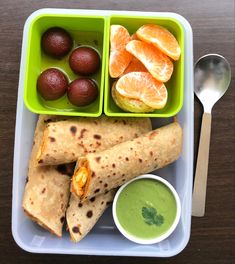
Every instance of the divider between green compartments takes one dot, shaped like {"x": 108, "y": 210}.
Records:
{"x": 175, "y": 85}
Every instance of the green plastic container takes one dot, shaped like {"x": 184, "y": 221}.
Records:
{"x": 175, "y": 85}
{"x": 86, "y": 30}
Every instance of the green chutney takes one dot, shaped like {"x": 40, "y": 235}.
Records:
{"x": 146, "y": 208}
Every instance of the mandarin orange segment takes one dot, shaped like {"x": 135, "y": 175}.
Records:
{"x": 157, "y": 63}
{"x": 119, "y": 37}
{"x": 118, "y": 62}
{"x": 142, "y": 86}
{"x": 135, "y": 66}
{"x": 119, "y": 58}
{"x": 161, "y": 38}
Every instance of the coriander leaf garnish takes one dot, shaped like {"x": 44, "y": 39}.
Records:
{"x": 151, "y": 217}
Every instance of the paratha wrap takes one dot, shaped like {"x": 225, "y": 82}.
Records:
{"x": 66, "y": 141}
{"x": 98, "y": 173}
{"x": 47, "y": 189}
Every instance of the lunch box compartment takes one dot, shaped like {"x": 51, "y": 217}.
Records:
{"x": 175, "y": 86}
{"x": 85, "y": 30}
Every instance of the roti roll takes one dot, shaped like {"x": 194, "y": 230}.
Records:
{"x": 98, "y": 173}
{"x": 46, "y": 192}
{"x": 66, "y": 141}
{"x": 81, "y": 217}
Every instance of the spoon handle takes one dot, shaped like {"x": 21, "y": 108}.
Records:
{"x": 200, "y": 182}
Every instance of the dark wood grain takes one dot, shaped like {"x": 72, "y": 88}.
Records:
{"x": 212, "y": 237}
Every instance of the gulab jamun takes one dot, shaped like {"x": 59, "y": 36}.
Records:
{"x": 82, "y": 92}
{"x": 56, "y": 42}
{"x": 84, "y": 61}
{"x": 52, "y": 84}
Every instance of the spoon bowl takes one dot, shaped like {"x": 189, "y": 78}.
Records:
{"x": 212, "y": 74}
{"x": 212, "y": 79}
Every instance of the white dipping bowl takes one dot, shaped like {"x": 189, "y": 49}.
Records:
{"x": 158, "y": 238}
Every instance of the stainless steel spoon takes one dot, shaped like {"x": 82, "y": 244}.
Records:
{"x": 212, "y": 74}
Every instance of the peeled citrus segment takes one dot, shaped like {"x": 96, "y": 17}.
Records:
{"x": 119, "y": 58}
{"x": 119, "y": 37}
{"x": 161, "y": 38}
{"x": 142, "y": 86}
{"x": 129, "y": 104}
{"x": 135, "y": 66}
{"x": 157, "y": 63}
{"x": 118, "y": 62}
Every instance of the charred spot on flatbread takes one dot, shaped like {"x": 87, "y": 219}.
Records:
{"x": 98, "y": 144}
{"x": 82, "y": 133}
{"x": 52, "y": 139}
{"x": 62, "y": 219}
{"x": 40, "y": 161}
{"x": 97, "y": 190}
{"x": 92, "y": 199}
{"x": 76, "y": 229}
{"x": 113, "y": 165}
{"x": 96, "y": 136}
{"x": 97, "y": 159}
{"x": 80, "y": 205}
{"x": 89, "y": 214}
{"x": 43, "y": 190}
{"x": 73, "y": 130}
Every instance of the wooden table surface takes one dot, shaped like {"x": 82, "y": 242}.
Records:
{"x": 213, "y": 236}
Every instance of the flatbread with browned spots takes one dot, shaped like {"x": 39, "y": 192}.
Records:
{"x": 113, "y": 167}
{"x": 66, "y": 141}
{"x": 47, "y": 189}
{"x": 81, "y": 217}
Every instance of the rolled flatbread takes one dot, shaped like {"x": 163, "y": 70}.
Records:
{"x": 47, "y": 189}
{"x": 66, "y": 141}
{"x": 81, "y": 217}
{"x": 99, "y": 173}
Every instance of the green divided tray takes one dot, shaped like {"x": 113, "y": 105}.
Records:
{"x": 93, "y": 31}
{"x": 175, "y": 86}
{"x": 86, "y": 31}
